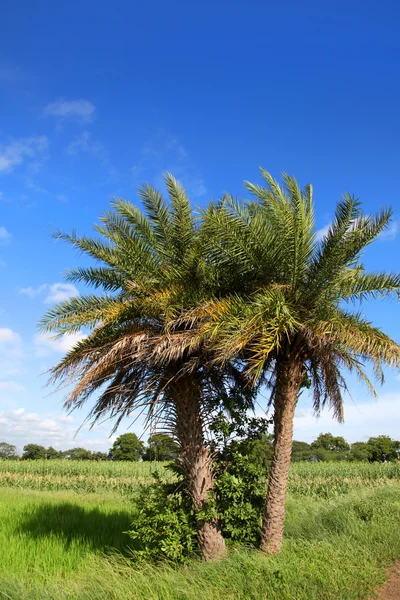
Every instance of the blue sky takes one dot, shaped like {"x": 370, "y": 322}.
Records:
{"x": 96, "y": 97}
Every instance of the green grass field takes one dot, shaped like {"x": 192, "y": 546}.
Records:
{"x": 62, "y": 524}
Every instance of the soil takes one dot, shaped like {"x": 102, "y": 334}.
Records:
{"x": 391, "y": 589}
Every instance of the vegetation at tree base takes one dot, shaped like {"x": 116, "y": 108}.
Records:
{"x": 127, "y": 447}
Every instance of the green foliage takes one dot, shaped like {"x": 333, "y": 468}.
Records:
{"x": 127, "y": 447}
{"x": 52, "y": 453}
{"x": 326, "y": 441}
{"x": 161, "y": 446}
{"x": 289, "y": 293}
{"x": 77, "y": 454}
{"x": 301, "y": 451}
{"x": 242, "y": 451}
{"x": 99, "y": 455}
{"x": 8, "y": 451}
{"x": 360, "y": 451}
{"x": 33, "y": 452}
{"x": 383, "y": 449}
{"x": 163, "y": 523}
{"x": 240, "y": 498}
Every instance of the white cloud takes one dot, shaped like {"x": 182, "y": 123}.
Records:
{"x": 20, "y": 427}
{"x": 11, "y": 386}
{"x": 57, "y": 292}
{"x": 17, "y": 413}
{"x": 60, "y": 292}
{"x": 45, "y": 344}
{"x": 33, "y": 292}
{"x": 5, "y": 236}
{"x": 81, "y": 110}
{"x": 15, "y": 152}
{"x": 362, "y": 420}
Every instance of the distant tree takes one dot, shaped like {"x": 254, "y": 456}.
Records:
{"x": 301, "y": 451}
{"x": 161, "y": 446}
{"x": 52, "y": 453}
{"x": 360, "y": 451}
{"x": 78, "y": 454}
{"x": 7, "y": 451}
{"x": 127, "y": 447}
{"x": 326, "y": 441}
{"x": 382, "y": 449}
{"x": 33, "y": 452}
{"x": 99, "y": 456}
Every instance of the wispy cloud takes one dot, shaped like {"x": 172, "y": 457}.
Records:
{"x": 86, "y": 143}
{"x": 57, "y": 292}
{"x": 81, "y": 110}
{"x": 362, "y": 420}
{"x": 20, "y": 427}
{"x": 30, "y": 149}
{"x": 5, "y": 236}
{"x": 165, "y": 152}
{"x": 60, "y": 292}
{"x": 45, "y": 344}
{"x": 33, "y": 292}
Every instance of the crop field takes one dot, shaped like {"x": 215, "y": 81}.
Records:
{"x": 62, "y": 537}
{"x": 318, "y": 480}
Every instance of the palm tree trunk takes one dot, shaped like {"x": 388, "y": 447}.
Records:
{"x": 289, "y": 380}
{"x": 196, "y": 461}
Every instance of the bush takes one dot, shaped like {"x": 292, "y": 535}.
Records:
{"x": 164, "y": 523}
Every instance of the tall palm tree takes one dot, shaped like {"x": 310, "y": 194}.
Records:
{"x": 149, "y": 268}
{"x": 294, "y": 317}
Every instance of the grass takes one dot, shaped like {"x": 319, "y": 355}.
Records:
{"x": 69, "y": 546}
{"x": 47, "y": 535}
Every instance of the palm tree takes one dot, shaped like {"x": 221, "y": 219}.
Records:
{"x": 294, "y": 317}
{"x": 149, "y": 268}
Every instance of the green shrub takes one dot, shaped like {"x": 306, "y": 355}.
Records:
{"x": 164, "y": 523}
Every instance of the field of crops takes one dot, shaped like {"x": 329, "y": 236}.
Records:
{"x": 318, "y": 480}
{"x": 79, "y": 476}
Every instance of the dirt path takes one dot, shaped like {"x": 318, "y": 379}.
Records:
{"x": 391, "y": 589}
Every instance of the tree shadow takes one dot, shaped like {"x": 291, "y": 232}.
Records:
{"x": 71, "y": 523}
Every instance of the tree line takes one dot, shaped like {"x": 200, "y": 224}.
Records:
{"x": 126, "y": 447}
{"x": 162, "y": 447}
